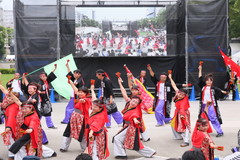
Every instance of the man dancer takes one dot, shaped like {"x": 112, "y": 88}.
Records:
{"x": 142, "y": 78}
{"x": 15, "y": 83}
{"x": 163, "y": 98}
{"x": 107, "y": 96}
{"x": 44, "y": 94}
{"x": 78, "y": 81}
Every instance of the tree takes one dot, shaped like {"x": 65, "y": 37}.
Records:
{"x": 234, "y": 18}
{"x": 3, "y": 36}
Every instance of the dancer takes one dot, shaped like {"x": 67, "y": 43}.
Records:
{"x": 181, "y": 126}
{"x": 12, "y": 119}
{"x": 201, "y": 140}
{"x": 32, "y": 89}
{"x": 78, "y": 81}
{"x": 163, "y": 98}
{"x": 209, "y": 93}
{"x": 129, "y": 136}
{"x": 31, "y": 142}
{"x": 232, "y": 84}
{"x": 142, "y": 78}
{"x": 108, "y": 98}
{"x": 16, "y": 83}
{"x": 136, "y": 92}
{"x": 97, "y": 138}
{"x": 46, "y": 106}
{"x": 77, "y": 124}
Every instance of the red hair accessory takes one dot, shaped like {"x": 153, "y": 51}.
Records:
{"x": 148, "y": 65}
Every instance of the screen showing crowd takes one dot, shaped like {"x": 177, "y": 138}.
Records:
{"x": 113, "y": 32}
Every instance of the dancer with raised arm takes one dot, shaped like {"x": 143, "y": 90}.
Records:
{"x": 181, "y": 126}
{"x": 209, "y": 94}
{"x": 129, "y": 136}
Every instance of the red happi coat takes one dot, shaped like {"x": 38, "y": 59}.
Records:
{"x": 202, "y": 141}
{"x": 132, "y": 139}
{"x": 14, "y": 120}
{"x": 96, "y": 123}
{"x": 32, "y": 121}
{"x": 180, "y": 124}
{"x": 10, "y": 115}
{"x": 78, "y": 120}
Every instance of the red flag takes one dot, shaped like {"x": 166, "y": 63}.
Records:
{"x": 147, "y": 97}
{"x": 230, "y": 63}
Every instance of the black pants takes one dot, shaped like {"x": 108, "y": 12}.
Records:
{"x": 19, "y": 143}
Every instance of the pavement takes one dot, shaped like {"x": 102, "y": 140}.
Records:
{"x": 161, "y": 137}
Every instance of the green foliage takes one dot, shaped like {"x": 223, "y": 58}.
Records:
{"x": 159, "y": 21}
{"x": 3, "y": 35}
{"x": 7, "y": 71}
{"x": 234, "y": 18}
{"x": 86, "y": 22}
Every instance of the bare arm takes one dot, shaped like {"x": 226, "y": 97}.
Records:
{"x": 15, "y": 99}
{"x": 73, "y": 86}
{"x": 124, "y": 93}
{"x": 94, "y": 97}
{"x": 130, "y": 83}
{"x": 4, "y": 90}
{"x": 172, "y": 82}
{"x": 24, "y": 80}
{"x": 68, "y": 68}
{"x": 199, "y": 71}
{"x": 55, "y": 67}
{"x": 150, "y": 71}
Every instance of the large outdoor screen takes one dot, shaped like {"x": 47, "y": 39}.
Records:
{"x": 114, "y": 32}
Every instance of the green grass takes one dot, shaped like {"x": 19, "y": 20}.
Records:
{"x": 5, "y": 78}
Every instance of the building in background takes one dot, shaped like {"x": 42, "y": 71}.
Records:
{"x": 8, "y": 19}
{"x": 1, "y": 15}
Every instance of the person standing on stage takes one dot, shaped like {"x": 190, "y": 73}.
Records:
{"x": 108, "y": 97}
{"x": 201, "y": 140}
{"x": 32, "y": 89}
{"x": 142, "y": 78}
{"x": 163, "y": 97}
{"x": 181, "y": 126}
{"x": 32, "y": 134}
{"x": 11, "y": 111}
{"x": 77, "y": 124}
{"x": 46, "y": 105}
{"x": 16, "y": 83}
{"x": 232, "y": 84}
{"x": 78, "y": 81}
{"x": 129, "y": 136}
{"x": 209, "y": 94}
{"x": 97, "y": 138}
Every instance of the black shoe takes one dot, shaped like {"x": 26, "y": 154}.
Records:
{"x": 64, "y": 122}
{"x": 121, "y": 157}
{"x": 219, "y": 135}
{"x": 54, "y": 154}
{"x": 147, "y": 140}
{"x": 45, "y": 143}
{"x": 53, "y": 127}
{"x": 63, "y": 150}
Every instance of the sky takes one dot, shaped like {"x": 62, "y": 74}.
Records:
{"x": 112, "y": 14}
{"x": 115, "y": 14}
{"x": 7, "y": 4}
